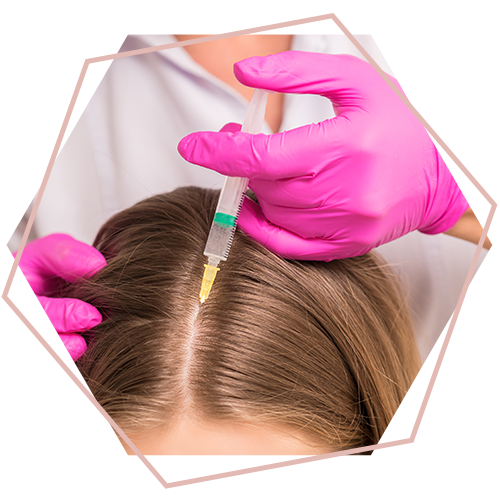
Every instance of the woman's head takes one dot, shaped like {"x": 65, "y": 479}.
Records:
{"x": 284, "y": 356}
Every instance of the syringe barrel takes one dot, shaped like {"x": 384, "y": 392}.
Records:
{"x": 231, "y": 195}
{"x": 224, "y": 224}
{"x": 220, "y": 239}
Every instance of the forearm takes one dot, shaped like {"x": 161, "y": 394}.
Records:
{"x": 470, "y": 226}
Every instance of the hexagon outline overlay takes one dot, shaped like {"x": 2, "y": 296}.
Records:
{"x": 87, "y": 393}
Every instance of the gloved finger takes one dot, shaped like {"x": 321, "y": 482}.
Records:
{"x": 282, "y": 242}
{"x": 309, "y": 223}
{"x": 41, "y": 416}
{"x": 305, "y": 192}
{"x": 70, "y": 315}
{"x": 20, "y": 399}
{"x": 46, "y": 260}
{"x": 64, "y": 256}
{"x": 231, "y": 127}
{"x": 276, "y": 156}
{"x": 342, "y": 78}
{"x": 27, "y": 360}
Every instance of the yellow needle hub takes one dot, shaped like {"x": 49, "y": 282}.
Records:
{"x": 208, "y": 281}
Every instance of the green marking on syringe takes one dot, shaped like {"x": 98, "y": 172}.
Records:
{"x": 230, "y": 201}
{"x": 225, "y": 220}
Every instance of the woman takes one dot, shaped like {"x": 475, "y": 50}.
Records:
{"x": 285, "y": 357}
{"x": 343, "y": 202}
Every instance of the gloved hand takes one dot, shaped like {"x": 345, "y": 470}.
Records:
{"x": 341, "y": 187}
{"x": 33, "y": 380}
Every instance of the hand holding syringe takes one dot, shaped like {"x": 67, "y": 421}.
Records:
{"x": 230, "y": 201}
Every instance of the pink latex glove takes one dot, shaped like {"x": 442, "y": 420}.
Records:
{"x": 33, "y": 380}
{"x": 341, "y": 187}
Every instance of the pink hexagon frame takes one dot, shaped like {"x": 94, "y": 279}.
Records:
{"x": 287, "y": 462}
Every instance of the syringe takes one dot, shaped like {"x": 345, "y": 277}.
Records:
{"x": 230, "y": 201}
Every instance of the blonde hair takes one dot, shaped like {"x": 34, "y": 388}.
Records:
{"x": 324, "y": 348}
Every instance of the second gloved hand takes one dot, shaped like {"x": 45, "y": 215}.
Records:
{"x": 33, "y": 380}
{"x": 341, "y": 187}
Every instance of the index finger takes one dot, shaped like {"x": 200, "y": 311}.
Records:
{"x": 296, "y": 152}
{"x": 71, "y": 259}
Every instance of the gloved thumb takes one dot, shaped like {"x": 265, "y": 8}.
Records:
{"x": 282, "y": 242}
{"x": 342, "y": 78}
{"x": 231, "y": 127}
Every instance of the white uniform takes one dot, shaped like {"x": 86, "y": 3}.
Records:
{"x": 124, "y": 149}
